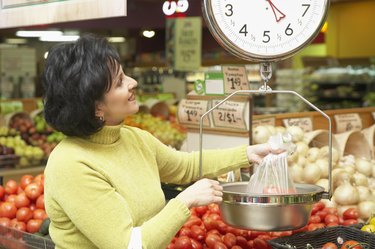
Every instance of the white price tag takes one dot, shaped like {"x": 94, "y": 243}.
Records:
{"x": 264, "y": 121}
{"x": 305, "y": 124}
{"x": 230, "y": 114}
{"x": 190, "y": 112}
{"x": 235, "y": 78}
{"x": 348, "y": 122}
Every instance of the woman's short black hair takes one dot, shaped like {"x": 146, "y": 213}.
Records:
{"x": 75, "y": 77}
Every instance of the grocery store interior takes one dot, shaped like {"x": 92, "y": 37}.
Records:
{"x": 335, "y": 73}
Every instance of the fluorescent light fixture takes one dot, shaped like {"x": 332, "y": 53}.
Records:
{"x": 16, "y": 41}
{"x": 148, "y": 33}
{"x": 35, "y": 33}
{"x": 116, "y": 39}
{"x": 59, "y": 38}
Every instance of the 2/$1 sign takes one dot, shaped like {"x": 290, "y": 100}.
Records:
{"x": 174, "y": 7}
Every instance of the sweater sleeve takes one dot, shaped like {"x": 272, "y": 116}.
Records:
{"x": 103, "y": 216}
{"x": 183, "y": 167}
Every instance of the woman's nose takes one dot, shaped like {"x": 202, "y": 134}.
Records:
{"x": 133, "y": 83}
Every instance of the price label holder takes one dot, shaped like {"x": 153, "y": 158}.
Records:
{"x": 264, "y": 121}
{"x": 214, "y": 83}
{"x": 190, "y": 112}
{"x": 230, "y": 114}
{"x": 305, "y": 124}
{"x": 348, "y": 122}
{"x": 235, "y": 78}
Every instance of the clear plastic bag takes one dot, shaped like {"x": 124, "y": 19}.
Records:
{"x": 272, "y": 176}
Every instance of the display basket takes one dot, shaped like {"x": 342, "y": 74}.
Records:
{"x": 12, "y": 238}
{"x": 337, "y": 235}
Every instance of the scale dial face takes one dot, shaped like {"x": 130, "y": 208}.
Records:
{"x": 264, "y": 30}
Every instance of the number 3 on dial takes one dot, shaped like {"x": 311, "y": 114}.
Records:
{"x": 265, "y": 30}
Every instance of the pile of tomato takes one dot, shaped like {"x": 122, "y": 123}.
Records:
{"x": 206, "y": 229}
{"x": 22, "y": 203}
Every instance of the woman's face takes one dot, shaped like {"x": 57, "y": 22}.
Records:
{"x": 120, "y": 101}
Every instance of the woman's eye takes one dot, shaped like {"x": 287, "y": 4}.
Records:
{"x": 119, "y": 83}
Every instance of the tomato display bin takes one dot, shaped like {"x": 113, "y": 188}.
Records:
{"x": 319, "y": 237}
{"x": 11, "y": 238}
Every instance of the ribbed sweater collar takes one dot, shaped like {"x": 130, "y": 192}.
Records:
{"x": 107, "y": 135}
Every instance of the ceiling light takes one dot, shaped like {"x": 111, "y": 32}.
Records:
{"x": 59, "y": 38}
{"x": 116, "y": 39}
{"x": 35, "y": 33}
{"x": 15, "y": 41}
{"x": 148, "y": 33}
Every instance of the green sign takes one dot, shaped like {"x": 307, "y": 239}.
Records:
{"x": 214, "y": 83}
{"x": 184, "y": 43}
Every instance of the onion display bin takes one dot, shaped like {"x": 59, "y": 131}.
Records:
{"x": 337, "y": 235}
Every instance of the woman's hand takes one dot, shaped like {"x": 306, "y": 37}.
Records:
{"x": 256, "y": 153}
{"x": 202, "y": 192}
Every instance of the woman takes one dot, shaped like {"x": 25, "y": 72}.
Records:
{"x": 102, "y": 183}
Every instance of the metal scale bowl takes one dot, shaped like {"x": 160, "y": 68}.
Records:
{"x": 269, "y": 212}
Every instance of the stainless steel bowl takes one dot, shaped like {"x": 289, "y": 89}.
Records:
{"x": 268, "y": 212}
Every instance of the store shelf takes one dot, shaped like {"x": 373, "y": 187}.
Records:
{"x": 17, "y": 173}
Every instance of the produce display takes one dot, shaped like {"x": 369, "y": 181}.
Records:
{"x": 168, "y": 132}
{"x": 206, "y": 229}
{"x": 353, "y": 177}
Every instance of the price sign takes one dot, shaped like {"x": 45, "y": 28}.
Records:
{"x": 264, "y": 121}
{"x": 348, "y": 122}
{"x": 304, "y": 123}
{"x": 230, "y": 114}
{"x": 214, "y": 83}
{"x": 235, "y": 78}
{"x": 190, "y": 112}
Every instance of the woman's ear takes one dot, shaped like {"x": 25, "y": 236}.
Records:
{"x": 99, "y": 110}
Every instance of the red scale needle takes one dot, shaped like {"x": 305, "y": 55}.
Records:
{"x": 278, "y": 14}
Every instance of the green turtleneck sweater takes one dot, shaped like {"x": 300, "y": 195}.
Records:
{"x": 97, "y": 189}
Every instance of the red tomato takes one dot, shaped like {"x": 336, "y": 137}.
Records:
{"x": 197, "y": 233}
{"x": 214, "y": 208}
{"x": 222, "y": 227}
{"x": 350, "y": 213}
{"x": 236, "y": 247}
{"x": 351, "y": 244}
{"x": 33, "y": 191}
{"x": 195, "y": 244}
{"x": 40, "y": 202}
{"x": 19, "y": 225}
{"x": 331, "y": 210}
{"x": 281, "y": 234}
{"x": 39, "y": 179}
{"x": 322, "y": 214}
{"x": 11, "y": 187}
{"x": 21, "y": 200}
{"x": 4, "y": 221}
{"x": 215, "y": 216}
{"x": 331, "y": 218}
{"x": 261, "y": 244}
{"x": 212, "y": 239}
{"x": 314, "y": 219}
{"x": 26, "y": 180}
{"x": 242, "y": 242}
{"x": 170, "y": 246}
{"x": 24, "y": 214}
{"x": 329, "y": 245}
{"x": 201, "y": 210}
{"x": 317, "y": 207}
{"x": 33, "y": 225}
{"x": 220, "y": 245}
{"x": 332, "y": 224}
{"x": 2, "y": 192}
{"x": 314, "y": 226}
{"x": 32, "y": 206}
{"x": 184, "y": 231}
{"x": 11, "y": 198}
{"x": 8, "y": 210}
{"x": 210, "y": 224}
{"x": 39, "y": 214}
{"x": 350, "y": 222}
{"x": 229, "y": 240}
{"x": 213, "y": 231}
{"x": 19, "y": 190}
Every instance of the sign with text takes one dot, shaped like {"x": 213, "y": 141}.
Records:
{"x": 348, "y": 122}
{"x": 264, "y": 121}
{"x": 184, "y": 43}
{"x": 190, "y": 112}
{"x": 235, "y": 78}
{"x": 230, "y": 114}
{"x": 214, "y": 83}
{"x": 20, "y": 13}
{"x": 305, "y": 124}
